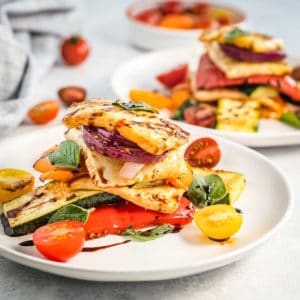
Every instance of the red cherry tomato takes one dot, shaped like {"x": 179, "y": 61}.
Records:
{"x": 61, "y": 240}
{"x": 173, "y": 77}
{"x": 200, "y": 115}
{"x": 75, "y": 50}
{"x": 171, "y": 7}
{"x": 204, "y": 152}
{"x": 149, "y": 16}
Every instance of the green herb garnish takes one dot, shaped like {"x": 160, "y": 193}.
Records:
{"x": 178, "y": 114}
{"x": 150, "y": 234}
{"x": 208, "y": 190}
{"x": 70, "y": 213}
{"x": 291, "y": 118}
{"x": 235, "y": 33}
{"x": 67, "y": 155}
{"x": 135, "y": 106}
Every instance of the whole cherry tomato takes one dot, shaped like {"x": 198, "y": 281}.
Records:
{"x": 61, "y": 240}
{"x": 203, "y": 152}
{"x": 71, "y": 94}
{"x": 44, "y": 112}
{"x": 173, "y": 77}
{"x": 75, "y": 50}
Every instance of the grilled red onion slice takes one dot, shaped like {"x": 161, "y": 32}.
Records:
{"x": 247, "y": 55}
{"x": 113, "y": 145}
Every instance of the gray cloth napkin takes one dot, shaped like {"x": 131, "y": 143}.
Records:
{"x": 30, "y": 33}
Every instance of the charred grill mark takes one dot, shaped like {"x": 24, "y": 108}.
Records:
{"x": 14, "y": 212}
{"x": 71, "y": 197}
{"x": 18, "y": 185}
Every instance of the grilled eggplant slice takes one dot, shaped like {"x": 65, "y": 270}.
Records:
{"x": 24, "y": 214}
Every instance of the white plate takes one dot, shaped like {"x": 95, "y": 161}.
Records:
{"x": 266, "y": 203}
{"x": 140, "y": 72}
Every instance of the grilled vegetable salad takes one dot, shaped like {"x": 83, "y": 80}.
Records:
{"x": 120, "y": 170}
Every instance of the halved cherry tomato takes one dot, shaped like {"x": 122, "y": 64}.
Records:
{"x": 219, "y": 222}
{"x": 61, "y": 240}
{"x": 178, "y": 21}
{"x": 171, "y": 7}
{"x": 72, "y": 94}
{"x": 44, "y": 112}
{"x": 149, "y": 16}
{"x": 201, "y": 115}
{"x": 75, "y": 50}
{"x": 113, "y": 219}
{"x": 204, "y": 152}
{"x": 173, "y": 77}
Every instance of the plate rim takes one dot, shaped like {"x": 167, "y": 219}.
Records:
{"x": 225, "y": 134}
{"x": 210, "y": 263}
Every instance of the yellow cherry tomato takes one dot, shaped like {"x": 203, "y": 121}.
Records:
{"x": 14, "y": 183}
{"x": 219, "y": 222}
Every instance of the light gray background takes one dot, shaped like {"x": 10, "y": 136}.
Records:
{"x": 271, "y": 272}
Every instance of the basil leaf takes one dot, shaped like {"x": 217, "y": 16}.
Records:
{"x": 178, "y": 114}
{"x": 135, "y": 106}
{"x": 291, "y": 119}
{"x": 66, "y": 156}
{"x": 217, "y": 189}
{"x": 197, "y": 192}
{"x": 207, "y": 190}
{"x": 235, "y": 33}
{"x": 150, "y": 234}
{"x": 70, "y": 212}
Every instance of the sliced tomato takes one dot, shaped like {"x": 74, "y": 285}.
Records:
{"x": 200, "y": 115}
{"x": 114, "y": 219}
{"x": 60, "y": 241}
{"x": 173, "y": 77}
{"x": 149, "y": 16}
{"x": 204, "y": 152}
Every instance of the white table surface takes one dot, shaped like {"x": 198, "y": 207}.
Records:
{"x": 270, "y": 272}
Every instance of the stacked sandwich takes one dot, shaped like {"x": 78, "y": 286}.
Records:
{"x": 114, "y": 151}
{"x": 236, "y": 60}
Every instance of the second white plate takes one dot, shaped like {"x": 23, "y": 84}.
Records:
{"x": 140, "y": 72}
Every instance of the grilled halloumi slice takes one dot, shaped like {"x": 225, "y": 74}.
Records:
{"x": 148, "y": 130}
{"x": 160, "y": 197}
{"x": 105, "y": 170}
{"x": 252, "y": 41}
{"x": 238, "y": 69}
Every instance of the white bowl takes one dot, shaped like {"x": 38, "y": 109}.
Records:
{"x": 152, "y": 37}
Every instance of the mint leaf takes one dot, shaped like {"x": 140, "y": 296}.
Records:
{"x": 207, "y": 190}
{"x": 291, "y": 118}
{"x": 235, "y": 33}
{"x": 135, "y": 106}
{"x": 70, "y": 213}
{"x": 66, "y": 156}
{"x": 150, "y": 234}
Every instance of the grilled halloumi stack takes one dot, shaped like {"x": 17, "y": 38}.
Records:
{"x": 105, "y": 170}
{"x": 149, "y": 131}
{"x": 237, "y": 69}
{"x": 255, "y": 42}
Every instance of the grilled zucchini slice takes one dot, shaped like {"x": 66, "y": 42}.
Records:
{"x": 235, "y": 115}
{"x": 26, "y": 213}
{"x": 234, "y": 182}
